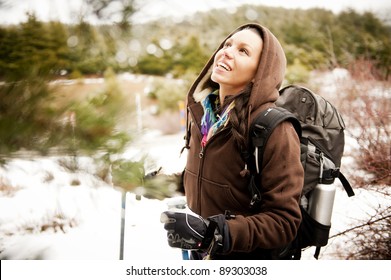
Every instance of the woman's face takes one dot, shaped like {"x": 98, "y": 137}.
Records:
{"x": 236, "y": 63}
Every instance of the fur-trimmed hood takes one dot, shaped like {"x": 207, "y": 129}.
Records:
{"x": 268, "y": 78}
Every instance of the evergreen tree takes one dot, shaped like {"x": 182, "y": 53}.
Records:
{"x": 86, "y": 56}
{"x": 33, "y": 47}
{"x": 58, "y": 36}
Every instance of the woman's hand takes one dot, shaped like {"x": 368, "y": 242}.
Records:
{"x": 184, "y": 230}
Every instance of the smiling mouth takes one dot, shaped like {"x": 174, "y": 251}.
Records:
{"x": 224, "y": 66}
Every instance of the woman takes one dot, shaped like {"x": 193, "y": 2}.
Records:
{"x": 240, "y": 80}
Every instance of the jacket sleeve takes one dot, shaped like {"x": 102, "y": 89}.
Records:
{"x": 277, "y": 221}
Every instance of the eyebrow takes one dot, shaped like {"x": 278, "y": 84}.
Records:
{"x": 240, "y": 43}
{"x": 247, "y": 45}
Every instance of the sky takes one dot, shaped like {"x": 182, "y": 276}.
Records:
{"x": 68, "y": 10}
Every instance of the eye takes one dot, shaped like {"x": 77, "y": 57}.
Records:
{"x": 227, "y": 44}
{"x": 243, "y": 50}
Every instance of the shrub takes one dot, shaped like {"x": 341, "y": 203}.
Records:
{"x": 368, "y": 123}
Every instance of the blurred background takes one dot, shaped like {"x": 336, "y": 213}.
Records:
{"x": 90, "y": 78}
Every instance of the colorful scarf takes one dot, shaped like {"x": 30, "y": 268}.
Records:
{"x": 211, "y": 122}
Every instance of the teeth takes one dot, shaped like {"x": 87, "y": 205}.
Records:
{"x": 225, "y": 66}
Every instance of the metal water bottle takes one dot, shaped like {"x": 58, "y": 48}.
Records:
{"x": 321, "y": 203}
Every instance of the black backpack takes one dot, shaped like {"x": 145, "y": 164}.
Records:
{"x": 321, "y": 131}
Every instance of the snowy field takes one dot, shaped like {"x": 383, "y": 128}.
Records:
{"x": 47, "y": 217}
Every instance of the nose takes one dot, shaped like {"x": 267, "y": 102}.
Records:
{"x": 227, "y": 53}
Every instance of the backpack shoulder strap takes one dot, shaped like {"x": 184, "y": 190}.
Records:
{"x": 263, "y": 126}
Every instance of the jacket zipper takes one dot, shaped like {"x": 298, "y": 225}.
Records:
{"x": 201, "y": 165}
{"x": 199, "y": 181}
{"x": 202, "y": 151}
{"x": 201, "y": 155}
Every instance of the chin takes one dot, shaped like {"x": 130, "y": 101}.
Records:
{"x": 215, "y": 77}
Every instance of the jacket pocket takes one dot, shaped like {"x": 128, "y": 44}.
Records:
{"x": 216, "y": 198}
{"x": 191, "y": 192}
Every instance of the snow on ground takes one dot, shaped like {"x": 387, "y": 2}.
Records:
{"x": 54, "y": 214}
{"x": 49, "y": 217}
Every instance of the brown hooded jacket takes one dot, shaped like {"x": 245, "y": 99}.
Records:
{"x": 213, "y": 179}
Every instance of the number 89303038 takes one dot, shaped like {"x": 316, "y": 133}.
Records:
{"x": 243, "y": 270}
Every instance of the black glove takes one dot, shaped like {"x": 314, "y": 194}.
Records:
{"x": 184, "y": 230}
{"x": 192, "y": 232}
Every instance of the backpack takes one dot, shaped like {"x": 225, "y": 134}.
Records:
{"x": 320, "y": 128}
